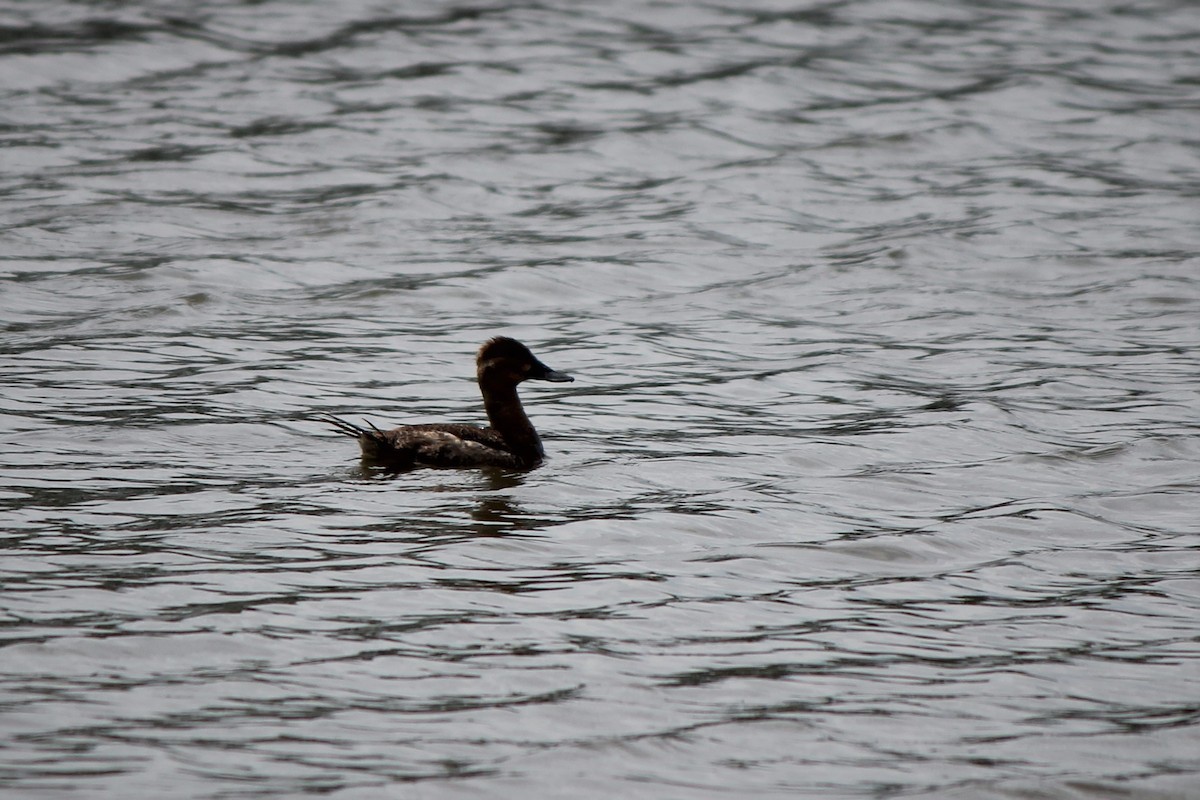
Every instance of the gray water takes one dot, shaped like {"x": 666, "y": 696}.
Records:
{"x": 878, "y": 478}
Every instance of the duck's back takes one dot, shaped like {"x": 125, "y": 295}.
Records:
{"x": 438, "y": 445}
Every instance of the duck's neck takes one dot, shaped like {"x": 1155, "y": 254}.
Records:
{"x": 508, "y": 418}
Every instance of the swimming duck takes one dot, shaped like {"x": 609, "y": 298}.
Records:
{"x": 509, "y": 442}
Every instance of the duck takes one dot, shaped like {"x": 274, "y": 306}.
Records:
{"x": 510, "y": 441}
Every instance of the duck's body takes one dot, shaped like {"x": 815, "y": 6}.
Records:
{"x": 510, "y": 442}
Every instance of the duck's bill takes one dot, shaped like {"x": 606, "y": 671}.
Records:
{"x": 556, "y": 377}
{"x": 543, "y": 373}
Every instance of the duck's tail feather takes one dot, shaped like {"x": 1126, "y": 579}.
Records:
{"x": 343, "y": 427}
{"x": 376, "y": 445}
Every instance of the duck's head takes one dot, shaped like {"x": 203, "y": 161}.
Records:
{"x": 509, "y": 360}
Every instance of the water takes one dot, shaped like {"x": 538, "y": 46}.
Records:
{"x": 878, "y": 479}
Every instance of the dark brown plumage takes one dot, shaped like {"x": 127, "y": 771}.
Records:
{"x": 511, "y": 440}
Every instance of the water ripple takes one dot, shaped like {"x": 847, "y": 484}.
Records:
{"x": 877, "y": 478}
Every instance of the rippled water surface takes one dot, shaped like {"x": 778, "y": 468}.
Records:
{"x": 878, "y": 477}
